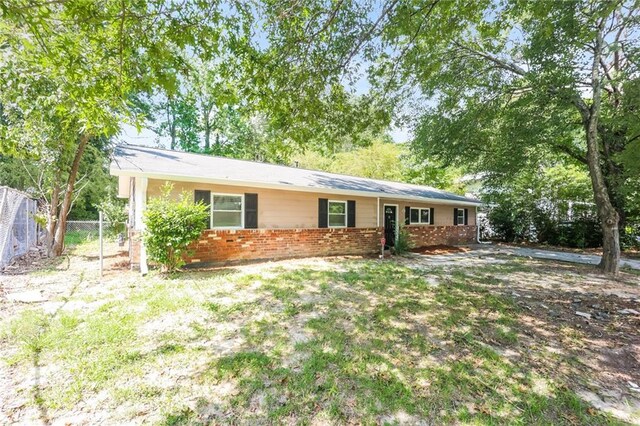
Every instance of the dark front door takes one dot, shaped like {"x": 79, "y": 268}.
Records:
{"x": 390, "y": 220}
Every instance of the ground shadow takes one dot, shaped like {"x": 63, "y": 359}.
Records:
{"x": 377, "y": 343}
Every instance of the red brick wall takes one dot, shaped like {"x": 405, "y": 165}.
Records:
{"x": 245, "y": 244}
{"x": 426, "y": 235}
{"x": 255, "y": 244}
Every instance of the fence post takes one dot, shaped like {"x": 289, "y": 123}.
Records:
{"x": 100, "y": 238}
{"x": 27, "y": 205}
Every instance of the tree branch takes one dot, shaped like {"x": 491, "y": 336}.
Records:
{"x": 366, "y": 36}
{"x": 510, "y": 66}
{"x": 571, "y": 153}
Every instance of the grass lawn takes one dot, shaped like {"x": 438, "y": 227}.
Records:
{"x": 319, "y": 341}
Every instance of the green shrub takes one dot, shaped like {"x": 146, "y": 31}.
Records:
{"x": 630, "y": 238}
{"x": 512, "y": 222}
{"x": 115, "y": 213}
{"x": 171, "y": 225}
{"x": 403, "y": 242}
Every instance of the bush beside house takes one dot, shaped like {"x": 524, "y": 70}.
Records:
{"x": 170, "y": 226}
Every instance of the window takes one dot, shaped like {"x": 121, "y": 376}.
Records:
{"x": 424, "y": 216}
{"x": 414, "y": 216}
{"x": 226, "y": 211}
{"x": 460, "y": 220}
{"x": 337, "y": 214}
{"x": 419, "y": 216}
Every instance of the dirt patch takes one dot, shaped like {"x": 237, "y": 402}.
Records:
{"x": 599, "y": 330}
{"x": 440, "y": 249}
{"x": 35, "y": 258}
{"x": 575, "y": 313}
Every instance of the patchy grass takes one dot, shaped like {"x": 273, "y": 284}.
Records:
{"x": 74, "y": 238}
{"x": 356, "y": 341}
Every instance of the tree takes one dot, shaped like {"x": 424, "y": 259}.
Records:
{"x": 386, "y": 160}
{"x": 525, "y": 80}
{"x": 178, "y": 119}
{"x": 71, "y": 70}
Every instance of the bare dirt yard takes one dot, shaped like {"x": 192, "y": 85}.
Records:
{"x": 420, "y": 339}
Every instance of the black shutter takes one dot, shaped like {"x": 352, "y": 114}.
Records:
{"x": 407, "y": 215}
{"x": 351, "y": 214}
{"x": 205, "y": 198}
{"x": 455, "y": 216}
{"x": 431, "y": 211}
{"x": 323, "y": 212}
{"x": 466, "y": 216}
{"x": 251, "y": 211}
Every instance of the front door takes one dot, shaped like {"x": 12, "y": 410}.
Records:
{"x": 390, "y": 220}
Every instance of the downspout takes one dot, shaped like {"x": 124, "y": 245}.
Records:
{"x": 478, "y": 230}
{"x": 378, "y": 214}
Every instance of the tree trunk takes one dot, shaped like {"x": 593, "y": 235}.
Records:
{"x": 608, "y": 215}
{"x": 606, "y": 212}
{"x": 58, "y": 242}
{"x": 206, "y": 113}
{"x": 52, "y": 220}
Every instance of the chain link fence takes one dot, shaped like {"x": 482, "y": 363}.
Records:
{"x": 18, "y": 229}
{"x": 82, "y": 230}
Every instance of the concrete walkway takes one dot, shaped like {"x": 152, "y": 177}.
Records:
{"x": 590, "y": 259}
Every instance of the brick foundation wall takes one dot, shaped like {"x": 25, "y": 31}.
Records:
{"x": 252, "y": 244}
{"x": 422, "y": 235}
{"x": 261, "y": 244}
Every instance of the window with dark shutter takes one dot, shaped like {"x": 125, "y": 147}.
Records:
{"x": 323, "y": 211}
{"x": 455, "y": 216}
{"x": 251, "y": 211}
{"x": 431, "y": 212}
{"x": 466, "y": 216}
{"x": 407, "y": 215}
{"x": 205, "y": 198}
{"x": 351, "y": 214}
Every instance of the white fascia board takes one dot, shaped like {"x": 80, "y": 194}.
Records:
{"x": 233, "y": 182}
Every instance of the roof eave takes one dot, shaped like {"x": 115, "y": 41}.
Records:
{"x": 115, "y": 171}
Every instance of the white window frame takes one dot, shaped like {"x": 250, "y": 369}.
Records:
{"x": 420, "y": 222}
{"x": 213, "y": 195}
{"x": 346, "y": 213}
{"x": 463, "y": 217}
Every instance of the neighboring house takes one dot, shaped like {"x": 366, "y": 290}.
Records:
{"x": 266, "y": 211}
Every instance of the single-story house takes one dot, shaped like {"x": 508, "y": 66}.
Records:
{"x": 267, "y": 211}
